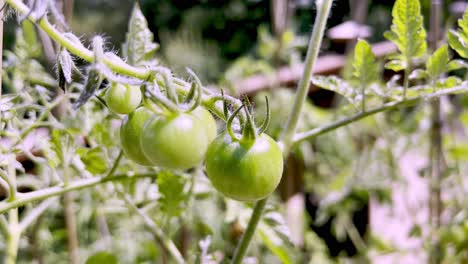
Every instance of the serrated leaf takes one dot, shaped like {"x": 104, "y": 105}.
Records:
{"x": 395, "y": 65}
{"x": 454, "y": 65}
{"x": 458, "y": 40}
{"x": 139, "y": 48}
{"x": 64, "y": 68}
{"x": 93, "y": 159}
{"x": 93, "y": 81}
{"x": 436, "y": 65}
{"x": 337, "y": 85}
{"x": 102, "y": 257}
{"x": 407, "y": 31}
{"x": 365, "y": 67}
{"x": 173, "y": 193}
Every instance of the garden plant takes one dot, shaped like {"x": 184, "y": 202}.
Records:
{"x": 118, "y": 138}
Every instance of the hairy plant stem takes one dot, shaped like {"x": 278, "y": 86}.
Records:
{"x": 249, "y": 232}
{"x": 159, "y": 234}
{"x": 299, "y": 137}
{"x": 25, "y": 198}
{"x": 14, "y": 230}
{"x": 323, "y": 9}
{"x": 436, "y": 149}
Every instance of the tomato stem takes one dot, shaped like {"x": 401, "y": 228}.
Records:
{"x": 266, "y": 122}
{"x": 229, "y": 123}
{"x": 197, "y": 90}
{"x": 249, "y": 132}
{"x": 249, "y": 232}
{"x": 323, "y": 9}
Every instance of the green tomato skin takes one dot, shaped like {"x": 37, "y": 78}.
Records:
{"x": 208, "y": 120}
{"x": 122, "y": 99}
{"x": 177, "y": 141}
{"x": 130, "y": 133}
{"x": 244, "y": 172}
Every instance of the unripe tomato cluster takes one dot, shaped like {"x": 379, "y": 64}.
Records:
{"x": 245, "y": 168}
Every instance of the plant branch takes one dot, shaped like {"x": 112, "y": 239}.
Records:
{"x": 24, "y": 198}
{"x": 157, "y": 232}
{"x": 388, "y": 106}
{"x": 436, "y": 167}
{"x": 249, "y": 232}
{"x": 323, "y": 9}
{"x": 35, "y": 213}
{"x": 4, "y": 225}
{"x": 11, "y": 186}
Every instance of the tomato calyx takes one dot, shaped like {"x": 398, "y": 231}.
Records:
{"x": 169, "y": 102}
{"x": 249, "y": 131}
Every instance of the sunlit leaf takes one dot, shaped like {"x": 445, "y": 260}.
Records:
{"x": 365, "y": 67}
{"x": 458, "y": 39}
{"x": 337, "y": 85}
{"x": 139, "y": 48}
{"x": 407, "y": 32}
{"x": 437, "y": 63}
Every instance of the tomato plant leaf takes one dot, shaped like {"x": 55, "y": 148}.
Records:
{"x": 173, "y": 193}
{"x": 93, "y": 81}
{"x": 454, "y": 65}
{"x": 139, "y": 48}
{"x": 364, "y": 65}
{"x": 93, "y": 159}
{"x": 407, "y": 32}
{"x": 458, "y": 39}
{"x": 337, "y": 85}
{"x": 436, "y": 65}
{"x": 64, "y": 68}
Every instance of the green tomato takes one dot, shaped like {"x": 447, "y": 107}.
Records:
{"x": 244, "y": 172}
{"x": 176, "y": 141}
{"x": 123, "y": 99}
{"x": 207, "y": 119}
{"x": 130, "y": 133}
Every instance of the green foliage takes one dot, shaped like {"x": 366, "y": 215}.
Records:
{"x": 364, "y": 64}
{"x": 139, "y": 48}
{"x": 339, "y": 86}
{"x": 407, "y": 32}
{"x": 436, "y": 64}
{"x": 458, "y": 40}
{"x": 94, "y": 159}
{"x": 173, "y": 193}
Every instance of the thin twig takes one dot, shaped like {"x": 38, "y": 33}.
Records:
{"x": 385, "y": 107}
{"x": 25, "y": 198}
{"x": 35, "y": 213}
{"x": 157, "y": 232}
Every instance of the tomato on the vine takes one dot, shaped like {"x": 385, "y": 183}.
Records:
{"x": 122, "y": 98}
{"x": 130, "y": 133}
{"x": 246, "y": 168}
{"x": 175, "y": 140}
